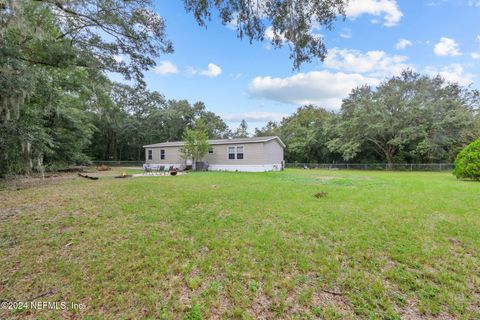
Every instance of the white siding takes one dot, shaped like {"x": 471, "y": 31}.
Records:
{"x": 252, "y": 154}
{"x": 257, "y": 156}
{"x": 273, "y": 152}
{"x": 172, "y": 156}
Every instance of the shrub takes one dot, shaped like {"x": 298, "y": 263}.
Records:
{"x": 467, "y": 164}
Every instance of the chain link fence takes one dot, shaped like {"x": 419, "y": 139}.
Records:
{"x": 119, "y": 163}
{"x": 328, "y": 166}
{"x": 375, "y": 166}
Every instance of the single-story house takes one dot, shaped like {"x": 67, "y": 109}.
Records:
{"x": 242, "y": 154}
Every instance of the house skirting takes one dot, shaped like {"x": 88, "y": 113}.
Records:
{"x": 223, "y": 167}
{"x": 245, "y": 167}
{"x": 155, "y": 166}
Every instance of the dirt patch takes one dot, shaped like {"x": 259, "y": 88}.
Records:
{"x": 219, "y": 307}
{"x": 261, "y": 305}
{"x": 25, "y": 182}
{"x": 410, "y": 312}
{"x": 225, "y": 213}
{"x": 325, "y": 299}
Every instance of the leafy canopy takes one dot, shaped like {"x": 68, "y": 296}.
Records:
{"x": 410, "y": 117}
{"x": 291, "y": 22}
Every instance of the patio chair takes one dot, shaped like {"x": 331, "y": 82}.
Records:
{"x": 161, "y": 169}
{"x": 147, "y": 169}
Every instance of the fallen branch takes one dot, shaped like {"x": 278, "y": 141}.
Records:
{"x": 332, "y": 292}
{"x": 86, "y": 176}
{"x": 72, "y": 169}
{"x": 48, "y": 293}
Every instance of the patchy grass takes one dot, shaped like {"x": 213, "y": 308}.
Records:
{"x": 385, "y": 245}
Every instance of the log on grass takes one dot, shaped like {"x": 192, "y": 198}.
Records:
{"x": 86, "y": 176}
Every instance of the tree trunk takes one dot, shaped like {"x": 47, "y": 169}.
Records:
{"x": 389, "y": 152}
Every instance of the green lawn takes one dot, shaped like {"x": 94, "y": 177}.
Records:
{"x": 379, "y": 245}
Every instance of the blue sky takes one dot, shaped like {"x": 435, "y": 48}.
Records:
{"x": 239, "y": 80}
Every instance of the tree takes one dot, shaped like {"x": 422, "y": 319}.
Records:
{"x": 52, "y": 57}
{"x": 467, "y": 164}
{"x": 305, "y": 134}
{"x": 214, "y": 125}
{"x": 242, "y": 130}
{"x": 407, "y": 118}
{"x": 272, "y": 128}
{"x": 96, "y": 34}
{"x": 128, "y": 118}
{"x": 196, "y": 143}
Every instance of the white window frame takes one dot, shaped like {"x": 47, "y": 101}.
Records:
{"x": 149, "y": 154}
{"x": 243, "y": 152}
{"x": 235, "y": 152}
{"x": 164, "y": 154}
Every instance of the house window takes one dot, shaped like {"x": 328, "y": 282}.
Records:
{"x": 231, "y": 153}
{"x": 149, "y": 154}
{"x": 210, "y": 150}
{"x": 239, "y": 153}
{"x": 162, "y": 154}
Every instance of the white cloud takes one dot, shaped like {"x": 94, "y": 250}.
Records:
{"x": 324, "y": 88}
{"x": 435, "y": 3}
{"x": 233, "y": 24}
{"x": 447, "y": 47}
{"x": 478, "y": 39}
{"x": 453, "y": 73}
{"x": 255, "y": 116}
{"x": 475, "y": 55}
{"x": 212, "y": 71}
{"x": 387, "y": 9}
{"x": 270, "y": 35}
{"x": 474, "y": 3}
{"x": 403, "y": 44}
{"x": 165, "y": 67}
{"x": 378, "y": 64}
{"x": 348, "y": 70}
{"x": 346, "y": 33}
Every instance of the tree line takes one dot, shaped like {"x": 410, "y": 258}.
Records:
{"x": 410, "y": 118}
{"x": 58, "y": 106}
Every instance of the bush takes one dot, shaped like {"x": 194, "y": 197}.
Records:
{"x": 467, "y": 164}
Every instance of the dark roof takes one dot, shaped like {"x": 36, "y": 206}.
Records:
{"x": 219, "y": 141}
